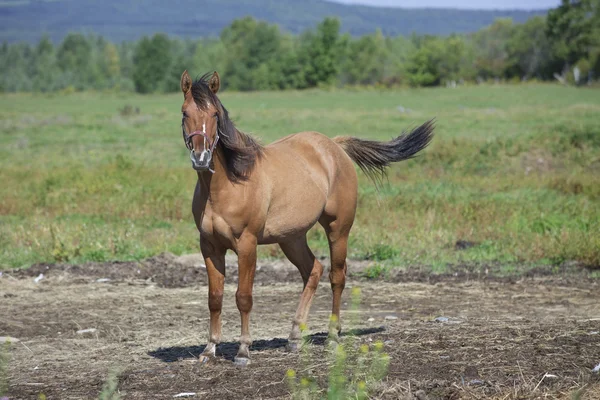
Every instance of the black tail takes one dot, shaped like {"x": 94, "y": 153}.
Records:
{"x": 373, "y": 157}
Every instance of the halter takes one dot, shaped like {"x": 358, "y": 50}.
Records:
{"x": 206, "y": 152}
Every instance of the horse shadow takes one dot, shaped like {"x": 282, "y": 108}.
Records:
{"x": 228, "y": 350}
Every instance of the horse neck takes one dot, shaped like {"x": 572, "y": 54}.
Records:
{"x": 212, "y": 182}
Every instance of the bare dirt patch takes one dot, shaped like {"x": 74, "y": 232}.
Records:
{"x": 149, "y": 322}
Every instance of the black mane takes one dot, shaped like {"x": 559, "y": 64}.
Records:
{"x": 239, "y": 149}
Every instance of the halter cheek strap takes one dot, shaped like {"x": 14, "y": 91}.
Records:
{"x": 190, "y": 146}
{"x": 188, "y": 140}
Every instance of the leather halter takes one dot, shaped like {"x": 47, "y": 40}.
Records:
{"x": 188, "y": 143}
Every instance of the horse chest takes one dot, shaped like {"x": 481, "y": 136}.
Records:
{"x": 217, "y": 228}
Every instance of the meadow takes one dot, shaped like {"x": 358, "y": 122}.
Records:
{"x": 512, "y": 176}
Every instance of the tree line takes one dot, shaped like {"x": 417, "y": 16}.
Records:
{"x": 255, "y": 55}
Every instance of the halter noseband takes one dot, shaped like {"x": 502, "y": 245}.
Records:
{"x": 208, "y": 152}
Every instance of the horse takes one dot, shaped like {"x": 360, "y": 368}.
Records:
{"x": 248, "y": 194}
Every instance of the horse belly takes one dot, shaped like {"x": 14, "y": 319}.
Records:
{"x": 292, "y": 217}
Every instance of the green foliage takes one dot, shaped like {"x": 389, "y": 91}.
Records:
{"x": 353, "y": 369}
{"x": 575, "y": 27}
{"x": 152, "y": 59}
{"x": 375, "y": 271}
{"x": 320, "y": 53}
{"x": 381, "y": 252}
{"x": 256, "y": 55}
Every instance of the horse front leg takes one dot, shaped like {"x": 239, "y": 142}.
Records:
{"x": 246, "y": 250}
{"x": 215, "y": 267}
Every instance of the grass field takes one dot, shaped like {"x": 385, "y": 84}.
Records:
{"x": 513, "y": 170}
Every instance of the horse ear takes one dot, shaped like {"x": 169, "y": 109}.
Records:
{"x": 186, "y": 82}
{"x": 214, "y": 83}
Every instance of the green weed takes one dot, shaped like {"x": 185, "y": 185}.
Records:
{"x": 381, "y": 252}
{"x": 110, "y": 389}
{"x": 353, "y": 369}
{"x": 4, "y": 360}
{"x": 375, "y": 271}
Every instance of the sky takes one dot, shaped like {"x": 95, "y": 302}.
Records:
{"x": 467, "y": 4}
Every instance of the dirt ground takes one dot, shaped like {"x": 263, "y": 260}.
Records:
{"x": 534, "y": 336}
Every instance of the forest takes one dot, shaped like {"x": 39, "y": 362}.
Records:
{"x": 256, "y": 55}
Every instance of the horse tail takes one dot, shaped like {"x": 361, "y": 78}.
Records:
{"x": 374, "y": 157}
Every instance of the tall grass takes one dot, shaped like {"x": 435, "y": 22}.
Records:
{"x": 513, "y": 169}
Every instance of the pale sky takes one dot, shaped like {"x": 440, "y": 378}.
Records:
{"x": 468, "y": 4}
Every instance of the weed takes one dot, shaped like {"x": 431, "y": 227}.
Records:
{"x": 353, "y": 368}
{"x": 381, "y": 252}
{"x": 110, "y": 389}
{"x": 4, "y": 359}
{"x": 376, "y": 271}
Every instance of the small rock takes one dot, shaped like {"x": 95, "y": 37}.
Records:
{"x": 84, "y": 331}
{"x": 185, "y": 394}
{"x": 421, "y": 395}
{"x": 371, "y": 319}
{"x": 4, "y": 339}
{"x": 390, "y": 317}
{"x": 39, "y": 278}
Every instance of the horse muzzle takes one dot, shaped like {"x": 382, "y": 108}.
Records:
{"x": 201, "y": 162}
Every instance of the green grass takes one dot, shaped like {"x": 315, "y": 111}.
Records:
{"x": 514, "y": 169}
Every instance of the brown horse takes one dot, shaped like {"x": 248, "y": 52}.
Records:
{"x": 248, "y": 194}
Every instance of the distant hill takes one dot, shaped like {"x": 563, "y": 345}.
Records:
{"x": 28, "y": 20}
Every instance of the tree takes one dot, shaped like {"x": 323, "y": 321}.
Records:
{"x": 111, "y": 66}
{"x": 530, "y": 52}
{"x": 491, "y": 48}
{"x": 574, "y": 29}
{"x": 152, "y": 60}
{"x": 320, "y": 53}
{"x": 365, "y": 60}
{"x": 251, "y": 46}
{"x": 423, "y": 68}
{"x": 209, "y": 55}
{"x": 45, "y": 70}
{"x": 73, "y": 58}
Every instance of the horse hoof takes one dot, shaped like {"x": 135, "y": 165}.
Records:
{"x": 332, "y": 342}
{"x": 293, "y": 347}
{"x": 204, "y": 359}
{"x": 241, "y": 361}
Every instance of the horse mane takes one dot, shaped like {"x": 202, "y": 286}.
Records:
{"x": 239, "y": 149}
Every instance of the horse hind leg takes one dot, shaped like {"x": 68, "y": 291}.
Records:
{"x": 246, "y": 269}
{"x": 299, "y": 254}
{"x": 337, "y": 231}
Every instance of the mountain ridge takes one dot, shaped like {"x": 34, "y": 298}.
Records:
{"x": 119, "y": 20}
